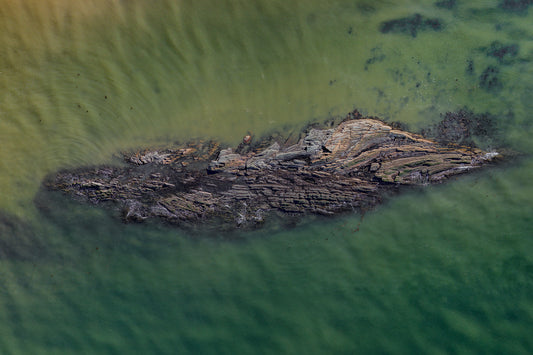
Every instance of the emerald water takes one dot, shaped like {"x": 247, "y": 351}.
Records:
{"x": 443, "y": 269}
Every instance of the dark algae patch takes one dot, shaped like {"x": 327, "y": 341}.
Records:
{"x": 489, "y": 80}
{"x": 411, "y": 25}
{"x": 366, "y": 8}
{"x": 463, "y": 127}
{"x": 377, "y": 57}
{"x": 516, "y": 5}
{"x": 446, "y": 4}
{"x": 505, "y": 54}
{"x": 470, "y": 67}
{"x": 502, "y": 52}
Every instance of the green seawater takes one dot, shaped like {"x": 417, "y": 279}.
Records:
{"x": 436, "y": 270}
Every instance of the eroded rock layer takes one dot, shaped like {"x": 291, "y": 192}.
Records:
{"x": 327, "y": 171}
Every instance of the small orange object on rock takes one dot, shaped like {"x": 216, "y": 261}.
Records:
{"x": 247, "y": 139}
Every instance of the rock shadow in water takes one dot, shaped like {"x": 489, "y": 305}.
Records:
{"x": 19, "y": 241}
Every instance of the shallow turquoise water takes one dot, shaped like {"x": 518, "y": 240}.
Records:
{"x": 446, "y": 269}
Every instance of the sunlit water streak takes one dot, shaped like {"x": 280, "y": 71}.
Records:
{"x": 444, "y": 269}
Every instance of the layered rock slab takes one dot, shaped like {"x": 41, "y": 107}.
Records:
{"x": 326, "y": 172}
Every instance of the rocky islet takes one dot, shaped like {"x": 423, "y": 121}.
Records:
{"x": 327, "y": 171}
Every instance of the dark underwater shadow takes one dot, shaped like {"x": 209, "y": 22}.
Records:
{"x": 19, "y": 240}
{"x": 74, "y": 231}
{"x": 86, "y": 226}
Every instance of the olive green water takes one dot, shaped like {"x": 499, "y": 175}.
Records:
{"x": 445, "y": 269}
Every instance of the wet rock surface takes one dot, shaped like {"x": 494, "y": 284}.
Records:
{"x": 329, "y": 170}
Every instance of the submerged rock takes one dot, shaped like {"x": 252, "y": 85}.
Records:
{"x": 345, "y": 167}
